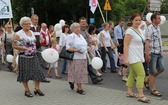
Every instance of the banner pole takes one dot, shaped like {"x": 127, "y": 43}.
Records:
{"x": 101, "y": 12}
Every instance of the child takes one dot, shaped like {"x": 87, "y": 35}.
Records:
{"x": 55, "y": 64}
{"x": 124, "y": 67}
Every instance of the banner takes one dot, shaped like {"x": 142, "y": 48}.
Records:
{"x": 93, "y": 5}
{"x": 5, "y": 9}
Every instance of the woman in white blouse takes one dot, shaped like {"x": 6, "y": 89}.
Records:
{"x": 107, "y": 46}
{"x": 62, "y": 43}
{"x": 77, "y": 68}
{"x": 28, "y": 63}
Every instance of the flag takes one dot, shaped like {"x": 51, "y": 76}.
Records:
{"x": 93, "y": 5}
{"x": 5, "y": 9}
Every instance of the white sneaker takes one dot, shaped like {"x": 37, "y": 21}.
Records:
{"x": 98, "y": 74}
{"x": 120, "y": 72}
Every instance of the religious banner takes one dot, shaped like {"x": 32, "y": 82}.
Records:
{"x": 93, "y": 5}
{"x": 5, "y": 9}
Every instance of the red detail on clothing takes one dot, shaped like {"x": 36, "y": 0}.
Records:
{"x": 44, "y": 43}
{"x": 93, "y": 3}
{"x": 38, "y": 44}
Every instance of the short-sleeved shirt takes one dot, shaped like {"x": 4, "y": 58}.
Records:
{"x": 154, "y": 35}
{"x": 136, "y": 47}
{"x": 30, "y": 40}
{"x": 79, "y": 43}
{"x": 107, "y": 38}
{"x": 63, "y": 39}
{"x": 9, "y": 37}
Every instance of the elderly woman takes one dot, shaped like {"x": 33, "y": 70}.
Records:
{"x": 77, "y": 68}
{"x": 29, "y": 67}
{"x": 107, "y": 46}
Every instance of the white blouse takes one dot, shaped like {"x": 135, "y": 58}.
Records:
{"x": 63, "y": 39}
{"x": 22, "y": 35}
{"x": 79, "y": 43}
{"x": 107, "y": 38}
{"x": 136, "y": 47}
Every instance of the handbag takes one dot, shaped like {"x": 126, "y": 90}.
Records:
{"x": 65, "y": 54}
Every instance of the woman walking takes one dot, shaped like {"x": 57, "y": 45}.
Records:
{"x": 28, "y": 63}
{"x": 134, "y": 56}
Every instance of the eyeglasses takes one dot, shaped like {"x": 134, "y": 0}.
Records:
{"x": 26, "y": 24}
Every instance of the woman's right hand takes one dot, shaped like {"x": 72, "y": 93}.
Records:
{"x": 106, "y": 49}
{"x": 23, "y": 48}
{"x": 126, "y": 62}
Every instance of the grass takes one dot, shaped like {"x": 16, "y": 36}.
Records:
{"x": 165, "y": 43}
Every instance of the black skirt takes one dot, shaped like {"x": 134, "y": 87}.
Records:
{"x": 29, "y": 69}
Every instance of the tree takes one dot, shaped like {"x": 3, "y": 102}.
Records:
{"x": 51, "y": 11}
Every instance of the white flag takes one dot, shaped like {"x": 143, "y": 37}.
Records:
{"x": 5, "y": 9}
{"x": 93, "y": 5}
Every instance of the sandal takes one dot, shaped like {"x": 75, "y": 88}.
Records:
{"x": 28, "y": 94}
{"x": 156, "y": 93}
{"x": 146, "y": 84}
{"x": 143, "y": 99}
{"x": 58, "y": 77}
{"x": 132, "y": 95}
{"x": 71, "y": 85}
{"x": 81, "y": 92}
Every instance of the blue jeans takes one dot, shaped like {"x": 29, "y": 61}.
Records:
{"x": 64, "y": 65}
{"x": 103, "y": 57}
{"x": 156, "y": 63}
{"x": 92, "y": 74}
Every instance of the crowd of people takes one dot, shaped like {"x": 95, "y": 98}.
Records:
{"x": 139, "y": 46}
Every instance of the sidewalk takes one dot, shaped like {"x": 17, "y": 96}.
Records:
{"x": 58, "y": 93}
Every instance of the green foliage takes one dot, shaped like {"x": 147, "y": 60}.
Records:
{"x": 51, "y": 11}
{"x": 164, "y": 7}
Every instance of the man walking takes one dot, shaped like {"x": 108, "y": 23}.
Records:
{"x": 84, "y": 32}
{"x": 119, "y": 33}
{"x": 153, "y": 48}
{"x": 36, "y": 29}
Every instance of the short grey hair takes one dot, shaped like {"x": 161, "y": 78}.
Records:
{"x": 74, "y": 25}
{"x": 23, "y": 19}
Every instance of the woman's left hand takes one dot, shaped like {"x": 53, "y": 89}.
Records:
{"x": 79, "y": 51}
{"x": 113, "y": 47}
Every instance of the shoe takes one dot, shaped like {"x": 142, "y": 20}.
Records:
{"x": 113, "y": 71}
{"x": 108, "y": 68}
{"x": 10, "y": 68}
{"x": 28, "y": 94}
{"x": 97, "y": 81}
{"x": 120, "y": 72}
{"x": 132, "y": 95}
{"x": 156, "y": 93}
{"x": 46, "y": 81}
{"x": 71, "y": 85}
{"x": 124, "y": 79}
{"x": 39, "y": 92}
{"x": 81, "y": 92}
{"x": 98, "y": 74}
{"x": 64, "y": 73}
{"x": 143, "y": 99}
{"x": 146, "y": 83}
{"x": 58, "y": 77}
{"x": 104, "y": 71}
